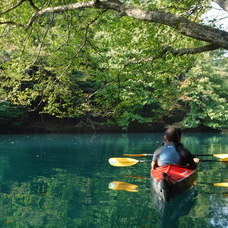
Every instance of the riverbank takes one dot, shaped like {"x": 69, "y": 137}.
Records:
{"x": 60, "y": 126}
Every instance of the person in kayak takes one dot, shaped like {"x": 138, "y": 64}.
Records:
{"x": 173, "y": 152}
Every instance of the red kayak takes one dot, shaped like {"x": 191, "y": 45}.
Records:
{"x": 172, "y": 180}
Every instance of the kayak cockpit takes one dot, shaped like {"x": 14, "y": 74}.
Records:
{"x": 171, "y": 180}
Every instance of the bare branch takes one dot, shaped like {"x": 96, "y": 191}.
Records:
{"x": 184, "y": 26}
{"x": 223, "y": 4}
{"x": 33, "y": 5}
{"x": 178, "y": 52}
{"x": 60, "y": 9}
{"x": 13, "y": 7}
{"x": 186, "y": 51}
{"x": 12, "y": 23}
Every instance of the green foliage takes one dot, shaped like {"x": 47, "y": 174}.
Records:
{"x": 205, "y": 93}
{"x": 89, "y": 63}
{"x": 11, "y": 114}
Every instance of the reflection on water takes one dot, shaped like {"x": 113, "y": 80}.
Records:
{"x": 62, "y": 181}
{"x": 123, "y": 186}
{"x": 174, "y": 209}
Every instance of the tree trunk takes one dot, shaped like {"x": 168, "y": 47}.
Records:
{"x": 223, "y": 4}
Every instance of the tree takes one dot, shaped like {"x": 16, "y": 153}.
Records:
{"x": 206, "y": 101}
{"x": 123, "y": 61}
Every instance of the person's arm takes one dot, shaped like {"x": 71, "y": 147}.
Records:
{"x": 188, "y": 158}
{"x": 153, "y": 164}
{"x": 155, "y": 157}
{"x": 191, "y": 161}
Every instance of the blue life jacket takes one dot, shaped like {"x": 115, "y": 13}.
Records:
{"x": 169, "y": 155}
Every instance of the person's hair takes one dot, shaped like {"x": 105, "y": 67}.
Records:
{"x": 173, "y": 134}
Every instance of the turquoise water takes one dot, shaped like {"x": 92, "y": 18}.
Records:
{"x": 63, "y": 181}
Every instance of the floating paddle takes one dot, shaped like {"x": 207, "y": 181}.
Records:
{"x": 198, "y": 155}
{"x": 222, "y": 184}
{"x": 119, "y": 185}
{"x": 125, "y": 162}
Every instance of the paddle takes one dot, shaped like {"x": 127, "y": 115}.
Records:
{"x": 124, "y": 186}
{"x": 198, "y": 155}
{"x": 222, "y": 184}
{"x": 119, "y": 185}
{"x": 125, "y": 162}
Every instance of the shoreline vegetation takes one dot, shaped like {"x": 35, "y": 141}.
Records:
{"x": 67, "y": 126}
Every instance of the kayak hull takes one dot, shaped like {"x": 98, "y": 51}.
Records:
{"x": 171, "y": 180}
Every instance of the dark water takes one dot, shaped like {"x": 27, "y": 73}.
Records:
{"x": 62, "y": 181}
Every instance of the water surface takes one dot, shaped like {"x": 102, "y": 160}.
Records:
{"x": 62, "y": 181}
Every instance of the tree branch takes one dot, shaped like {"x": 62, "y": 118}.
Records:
{"x": 183, "y": 25}
{"x": 223, "y": 4}
{"x": 12, "y": 23}
{"x": 186, "y": 51}
{"x": 13, "y": 7}
{"x": 33, "y": 5}
{"x": 178, "y": 52}
{"x": 186, "y": 27}
{"x": 59, "y": 9}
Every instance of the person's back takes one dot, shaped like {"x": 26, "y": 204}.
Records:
{"x": 168, "y": 155}
{"x": 172, "y": 151}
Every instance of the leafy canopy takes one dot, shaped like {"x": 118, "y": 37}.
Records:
{"x": 95, "y": 63}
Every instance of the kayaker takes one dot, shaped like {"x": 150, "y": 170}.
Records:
{"x": 173, "y": 152}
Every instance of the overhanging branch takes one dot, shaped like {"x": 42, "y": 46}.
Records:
{"x": 184, "y": 26}
{"x": 12, "y": 8}
{"x": 215, "y": 37}
{"x": 59, "y": 9}
{"x": 12, "y": 23}
{"x": 185, "y": 51}
{"x": 175, "y": 52}
{"x": 33, "y": 5}
{"x": 223, "y": 4}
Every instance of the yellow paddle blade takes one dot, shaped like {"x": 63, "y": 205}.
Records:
{"x": 220, "y": 155}
{"x": 222, "y": 184}
{"x": 119, "y": 185}
{"x": 122, "y": 162}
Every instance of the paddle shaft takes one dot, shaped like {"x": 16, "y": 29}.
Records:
{"x": 150, "y": 155}
{"x": 147, "y": 161}
{"x": 124, "y": 162}
{"x": 224, "y": 161}
{"x": 144, "y": 161}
